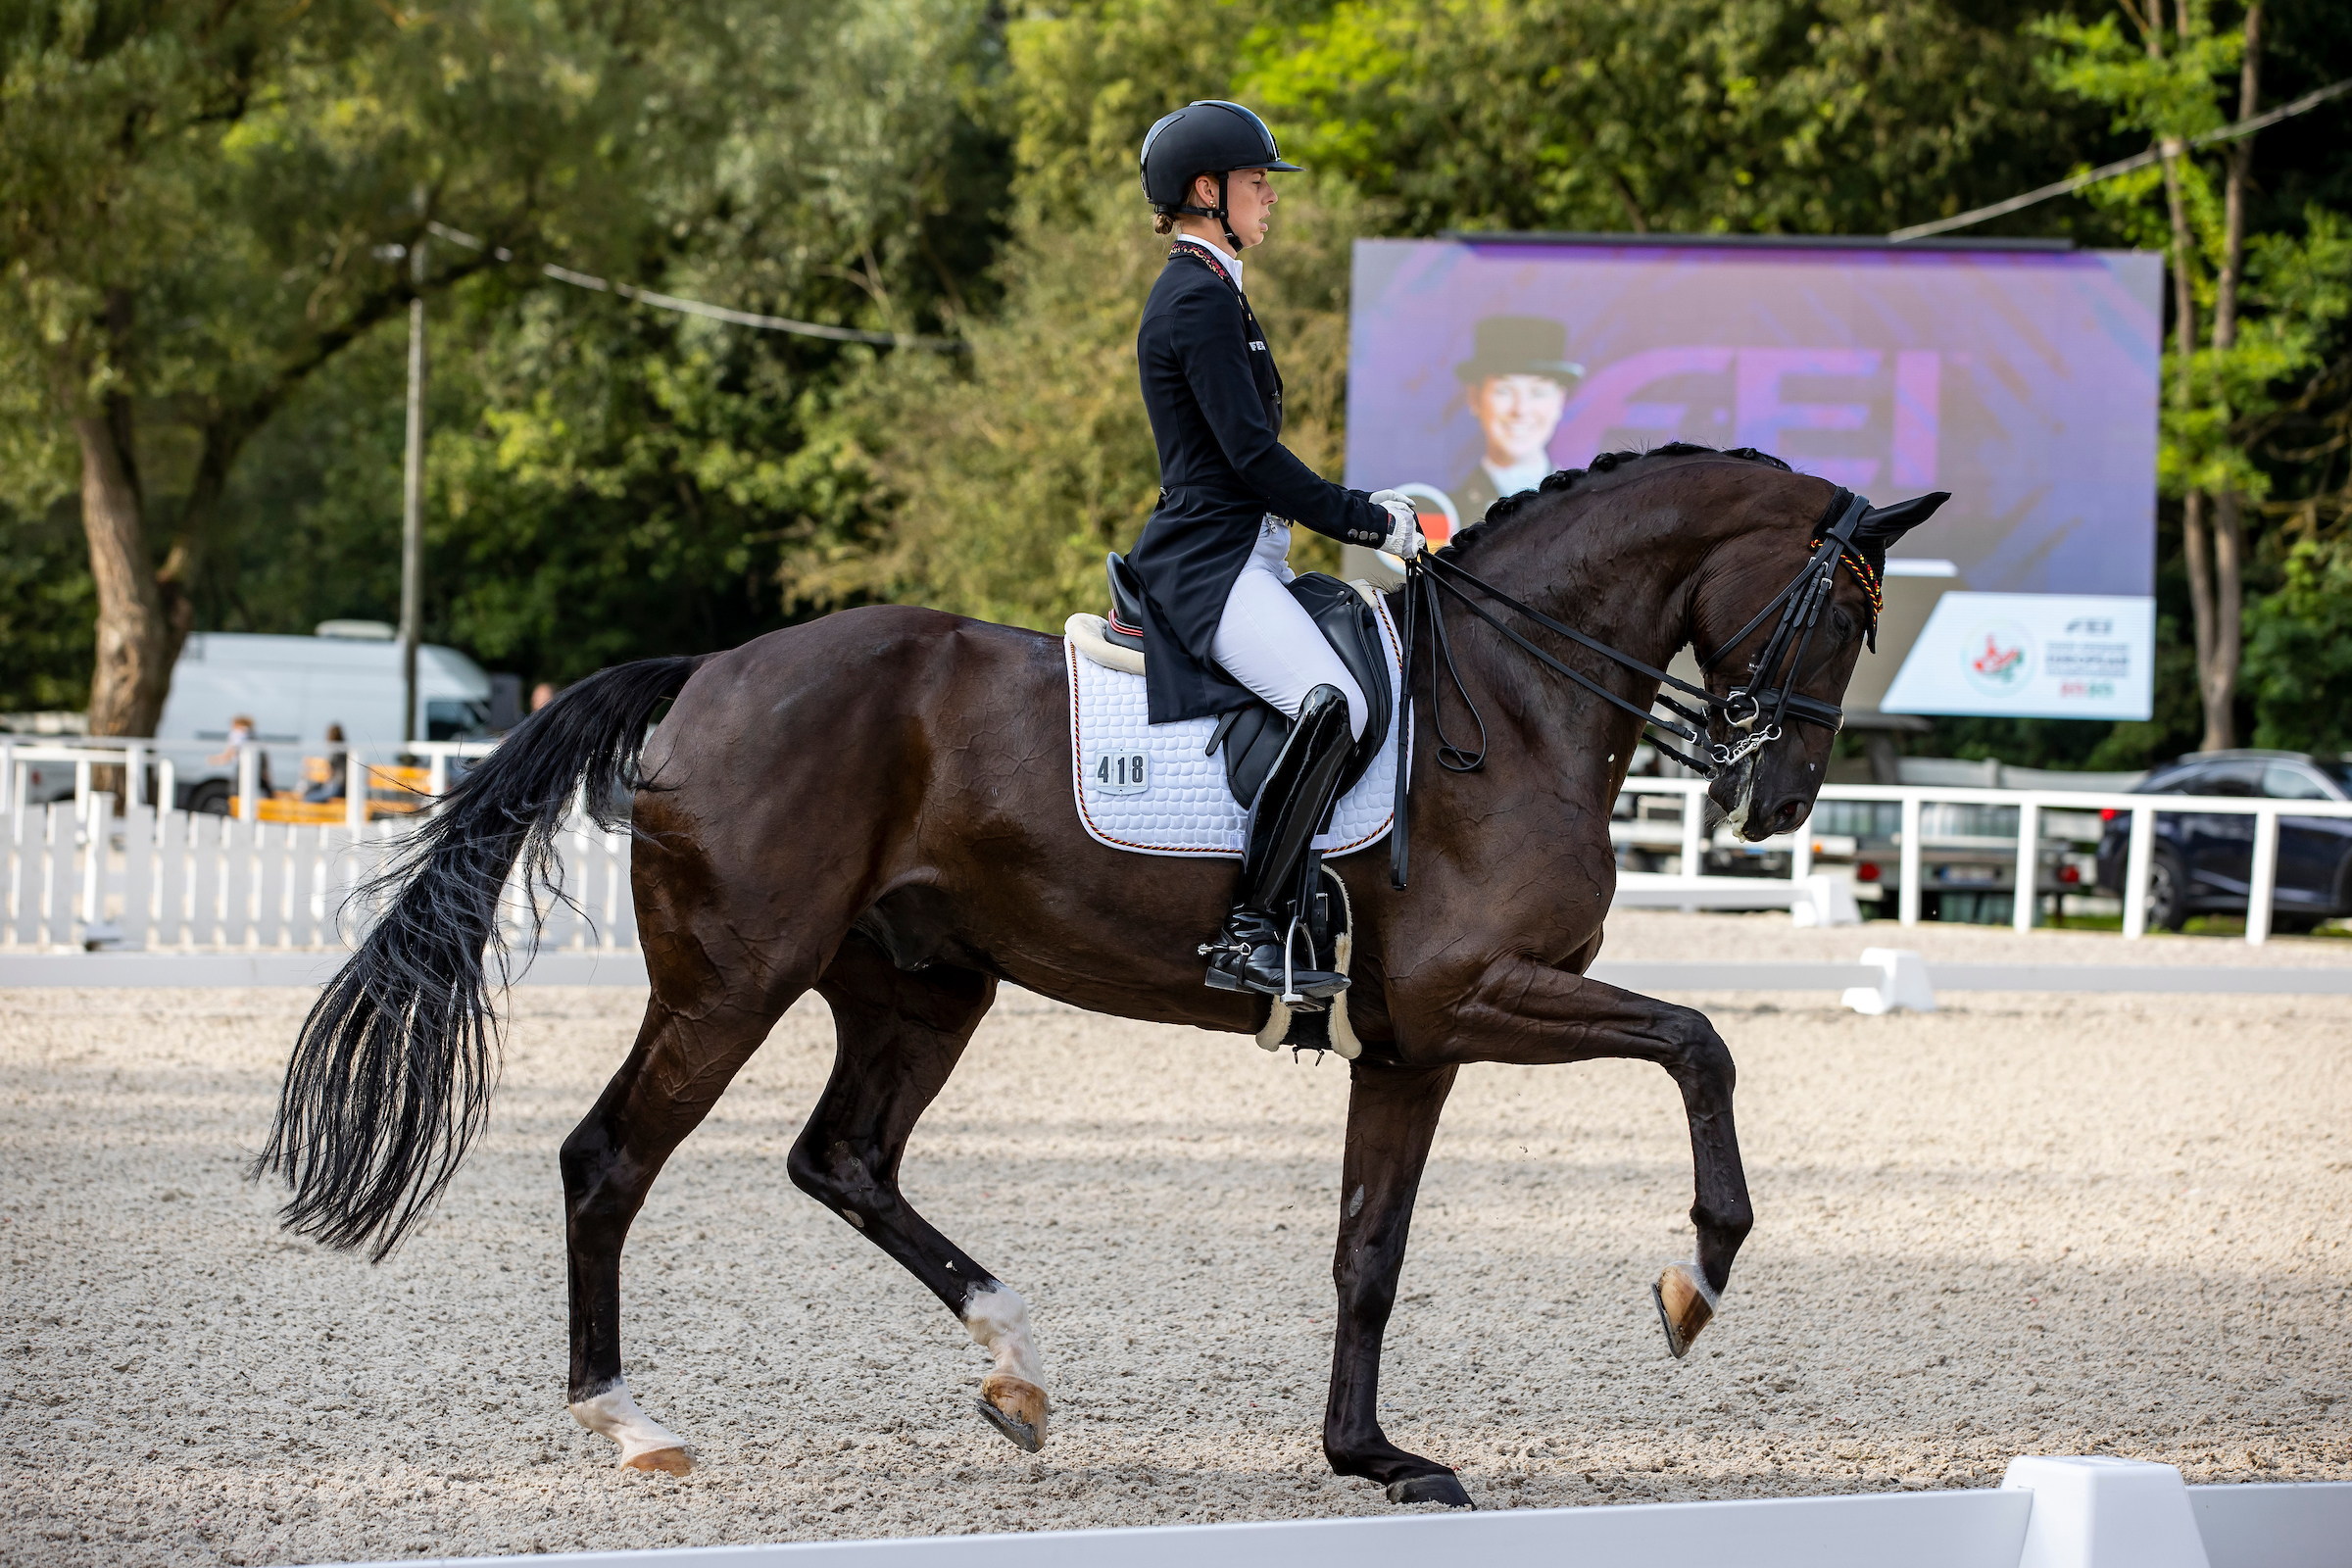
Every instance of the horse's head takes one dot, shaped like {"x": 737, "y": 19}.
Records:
{"x": 1771, "y": 787}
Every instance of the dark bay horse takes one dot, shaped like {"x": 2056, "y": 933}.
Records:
{"x": 878, "y": 805}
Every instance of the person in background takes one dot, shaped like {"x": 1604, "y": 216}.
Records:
{"x": 1516, "y": 383}
{"x": 241, "y": 735}
{"x": 330, "y": 771}
{"x": 542, "y": 694}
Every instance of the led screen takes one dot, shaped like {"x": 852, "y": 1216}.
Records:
{"x": 2023, "y": 381}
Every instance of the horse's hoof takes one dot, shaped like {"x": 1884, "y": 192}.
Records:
{"x": 667, "y": 1462}
{"x": 1015, "y": 1407}
{"x": 1684, "y": 1307}
{"x": 1446, "y": 1489}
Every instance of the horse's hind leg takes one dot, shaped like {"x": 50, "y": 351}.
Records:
{"x": 901, "y": 1034}
{"x": 695, "y": 1035}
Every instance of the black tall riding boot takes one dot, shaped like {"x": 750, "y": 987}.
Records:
{"x": 1248, "y": 955}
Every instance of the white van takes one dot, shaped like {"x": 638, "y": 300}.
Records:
{"x": 293, "y": 687}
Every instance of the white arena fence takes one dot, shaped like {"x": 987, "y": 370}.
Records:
{"x": 2046, "y": 1513}
{"x": 1800, "y": 889}
{"x": 152, "y": 768}
{"x": 81, "y": 878}
{"x": 163, "y": 879}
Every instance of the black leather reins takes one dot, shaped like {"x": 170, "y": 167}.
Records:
{"x": 1757, "y": 715}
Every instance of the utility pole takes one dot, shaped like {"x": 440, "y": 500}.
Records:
{"x": 411, "y": 517}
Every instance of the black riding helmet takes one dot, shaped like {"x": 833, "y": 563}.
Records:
{"x": 1209, "y": 136}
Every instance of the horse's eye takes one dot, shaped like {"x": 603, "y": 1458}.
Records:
{"x": 1841, "y": 623}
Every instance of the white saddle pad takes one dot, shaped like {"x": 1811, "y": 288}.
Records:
{"x": 1148, "y": 787}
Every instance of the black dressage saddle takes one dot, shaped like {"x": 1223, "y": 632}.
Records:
{"x": 1252, "y": 735}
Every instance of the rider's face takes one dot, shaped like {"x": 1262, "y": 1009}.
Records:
{"x": 1520, "y": 412}
{"x": 1248, "y": 202}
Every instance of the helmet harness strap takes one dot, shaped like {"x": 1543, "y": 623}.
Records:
{"x": 1218, "y": 212}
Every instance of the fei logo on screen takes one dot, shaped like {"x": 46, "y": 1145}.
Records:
{"x": 1757, "y": 397}
{"x": 2022, "y": 379}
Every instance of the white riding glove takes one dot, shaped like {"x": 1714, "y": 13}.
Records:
{"x": 1404, "y": 540}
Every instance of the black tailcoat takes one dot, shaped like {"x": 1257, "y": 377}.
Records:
{"x": 1216, "y": 402}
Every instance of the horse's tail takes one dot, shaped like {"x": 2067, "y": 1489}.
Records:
{"x": 391, "y": 1075}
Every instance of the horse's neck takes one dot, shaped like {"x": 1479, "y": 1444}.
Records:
{"x": 1622, "y": 581}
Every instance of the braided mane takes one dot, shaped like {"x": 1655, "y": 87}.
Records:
{"x": 1565, "y": 479}
{"x": 1866, "y": 559}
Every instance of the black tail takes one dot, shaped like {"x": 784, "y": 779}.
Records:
{"x": 391, "y": 1075}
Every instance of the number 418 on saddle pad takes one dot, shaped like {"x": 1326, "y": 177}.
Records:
{"x": 1122, "y": 772}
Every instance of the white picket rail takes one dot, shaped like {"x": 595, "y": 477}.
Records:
{"x": 81, "y": 877}
{"x": 134, "y": 754}
{"x": 218, "y": 869}
{"x": 2029, "y": 804}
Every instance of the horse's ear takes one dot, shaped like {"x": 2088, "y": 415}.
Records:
{"x": 1884, "y": 525}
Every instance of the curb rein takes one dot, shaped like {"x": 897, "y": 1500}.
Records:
{"x": 1758, "y": 717}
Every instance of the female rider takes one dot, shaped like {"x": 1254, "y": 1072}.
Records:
{"x": 1220, "y": 626}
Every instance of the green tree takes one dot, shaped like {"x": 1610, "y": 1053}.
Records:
{"x": 203, "y": 204}
{"x": 2254, "y": 316}
{"x": 1683, "y": 116}
{"x": 46, "y": 605}
{"x": 624, "y": 480}
{"x": 2299, "y": 653}
{"x": 1000, "y": 482}
{"x": 212, "y": 206}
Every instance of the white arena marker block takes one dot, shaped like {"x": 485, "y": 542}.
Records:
{"x": 2091, "y": 1512}
{"x": 1825, "y": 900}
{"x": 1903, "y": 983}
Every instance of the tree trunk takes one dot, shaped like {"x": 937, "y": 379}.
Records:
{"x": 2196, "y": 550}
{"x": 2218, "y": 670}
{"x": 2196, "y": 544}
{"x": 2216, "y": 666}
{"x": 145, "y": 613}
{"x": 134, "y": 636}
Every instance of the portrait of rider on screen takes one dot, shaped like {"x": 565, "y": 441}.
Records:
{"x": 1221, "y": 629}
{"x": 1516, "y": 383}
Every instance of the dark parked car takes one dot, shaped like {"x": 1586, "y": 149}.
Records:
{"x": 2203, "y": 861}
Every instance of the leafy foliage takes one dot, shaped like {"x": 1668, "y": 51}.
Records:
{"x": 1002, "y": 483}
{"x": 1685, "y": 116}
{"x": 2299, "y": 653}
{"x": 46, "y": 604}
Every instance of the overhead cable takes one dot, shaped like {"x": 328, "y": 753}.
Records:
{"x": 717, "y": 312}
{"x": 2230, "y": 133}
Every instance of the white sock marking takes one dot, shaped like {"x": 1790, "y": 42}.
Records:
{"x": 997, "y": 1320}
{"x": 615, "y": 1414}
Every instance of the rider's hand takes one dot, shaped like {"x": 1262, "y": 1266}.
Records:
{"x": 1404, "y": 540}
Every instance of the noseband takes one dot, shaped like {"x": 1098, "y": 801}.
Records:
{"x": 1755, "y": 711}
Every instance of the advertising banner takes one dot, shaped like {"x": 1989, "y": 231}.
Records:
{"x": 2022, "y": 380}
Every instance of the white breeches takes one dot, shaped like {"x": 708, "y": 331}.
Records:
{"x": 1270, "y": 645}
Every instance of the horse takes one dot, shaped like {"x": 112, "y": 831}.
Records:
{"x": 876, "y": 806}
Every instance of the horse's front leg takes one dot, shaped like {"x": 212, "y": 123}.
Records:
{"x": 1519, "y": 1011}
{"x": 1391, "y": 1117}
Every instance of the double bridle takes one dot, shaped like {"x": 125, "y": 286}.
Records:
{"x": 1755, "y": 711}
